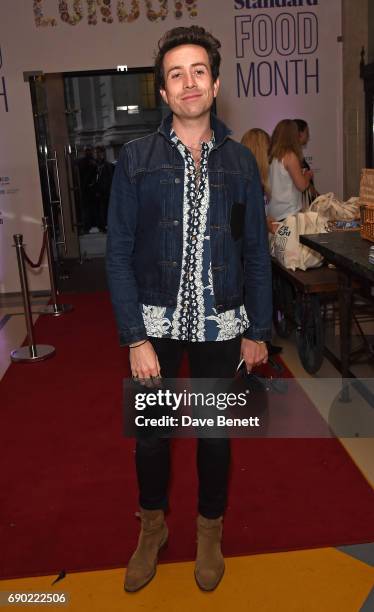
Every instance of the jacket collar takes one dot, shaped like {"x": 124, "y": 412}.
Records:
{"x": 221, "y": 132}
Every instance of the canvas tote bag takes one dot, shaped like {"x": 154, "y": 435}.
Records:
{"x": 285, "y": 245}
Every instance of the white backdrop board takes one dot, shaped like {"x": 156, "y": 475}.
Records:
{"x": 281, "y": 59}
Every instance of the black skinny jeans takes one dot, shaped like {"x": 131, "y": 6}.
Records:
{"x": 207, "y": 360}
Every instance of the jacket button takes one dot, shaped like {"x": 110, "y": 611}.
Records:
{"x": 174, "y": 264}
{"x": 177, "y": 180}
{"x": 176, "y": 222}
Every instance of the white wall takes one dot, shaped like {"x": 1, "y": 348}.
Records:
{"x": 64, "y": 47}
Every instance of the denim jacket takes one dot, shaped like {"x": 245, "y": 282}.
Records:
{"x": 145, "y": 232}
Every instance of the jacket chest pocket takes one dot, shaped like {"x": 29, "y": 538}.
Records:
{"x": 166, "y": 191}
{"x": 171, "y": 194}
{"x": 155, "y": 192}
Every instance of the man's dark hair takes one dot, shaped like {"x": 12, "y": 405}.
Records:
{"x": 193, "y": 35}
{"x": 301, "y": 125}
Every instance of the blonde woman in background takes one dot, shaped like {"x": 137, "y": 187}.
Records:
{"x": 287, "y": 178}
{"x": 258, "y": 141}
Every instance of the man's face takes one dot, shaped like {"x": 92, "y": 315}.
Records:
{"x": 189, "y": 88}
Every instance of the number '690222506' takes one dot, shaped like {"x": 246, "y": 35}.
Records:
{"x": 40, "y": 598}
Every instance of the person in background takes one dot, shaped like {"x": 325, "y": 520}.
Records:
{"x": 103, "y": 184}
{"x": 304, "y": 135}
{"x": 258, "y": 141}
{"x": 87, "y": 175}
{"x": 288, "y": 179}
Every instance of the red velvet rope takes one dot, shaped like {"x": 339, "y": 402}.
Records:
{"x": 37, "y": 264}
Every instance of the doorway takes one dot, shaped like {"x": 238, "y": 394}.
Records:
{"x": 81, "y": 120}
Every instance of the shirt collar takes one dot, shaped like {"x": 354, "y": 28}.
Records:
{"x": 221, "y": 132}
{"x": 177, "y": 140}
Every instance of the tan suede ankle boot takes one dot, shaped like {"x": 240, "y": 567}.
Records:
{"x": 210, "y": 566}
{"x": 153, "y": 535}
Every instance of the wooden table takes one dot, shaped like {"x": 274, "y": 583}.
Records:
{"x": 350, "y": 254}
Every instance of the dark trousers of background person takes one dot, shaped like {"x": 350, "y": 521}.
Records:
{"x": 102, "y": 212}
{"x": 207, "y": 360}
{"x": 89, "y": 214}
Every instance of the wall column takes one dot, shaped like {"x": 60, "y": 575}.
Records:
{"x": 355, "y": 36}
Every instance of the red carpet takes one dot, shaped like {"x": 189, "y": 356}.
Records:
{"x": 67, "y": 484}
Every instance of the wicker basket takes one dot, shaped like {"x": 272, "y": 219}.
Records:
{"x": 367, "y": 186}
{"x": 367, "y": 220}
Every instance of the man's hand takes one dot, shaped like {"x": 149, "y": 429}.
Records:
{"x": 253, "y": 353}
{"x": 144, "y": 362}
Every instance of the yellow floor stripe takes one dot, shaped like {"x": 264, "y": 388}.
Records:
{"x": 323, "y": 580}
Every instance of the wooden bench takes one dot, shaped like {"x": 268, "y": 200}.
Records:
{"x": 297, "y": 300}
{"x": 315, "y": 280}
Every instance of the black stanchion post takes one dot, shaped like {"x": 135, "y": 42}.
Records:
{"x": 54, "y": 309}
{"x": 32, "y": 351}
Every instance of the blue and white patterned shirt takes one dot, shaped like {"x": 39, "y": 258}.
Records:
{"x": 195, "y": 318}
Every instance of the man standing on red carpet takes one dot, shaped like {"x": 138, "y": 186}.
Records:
{"x": 189, "y": 270}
